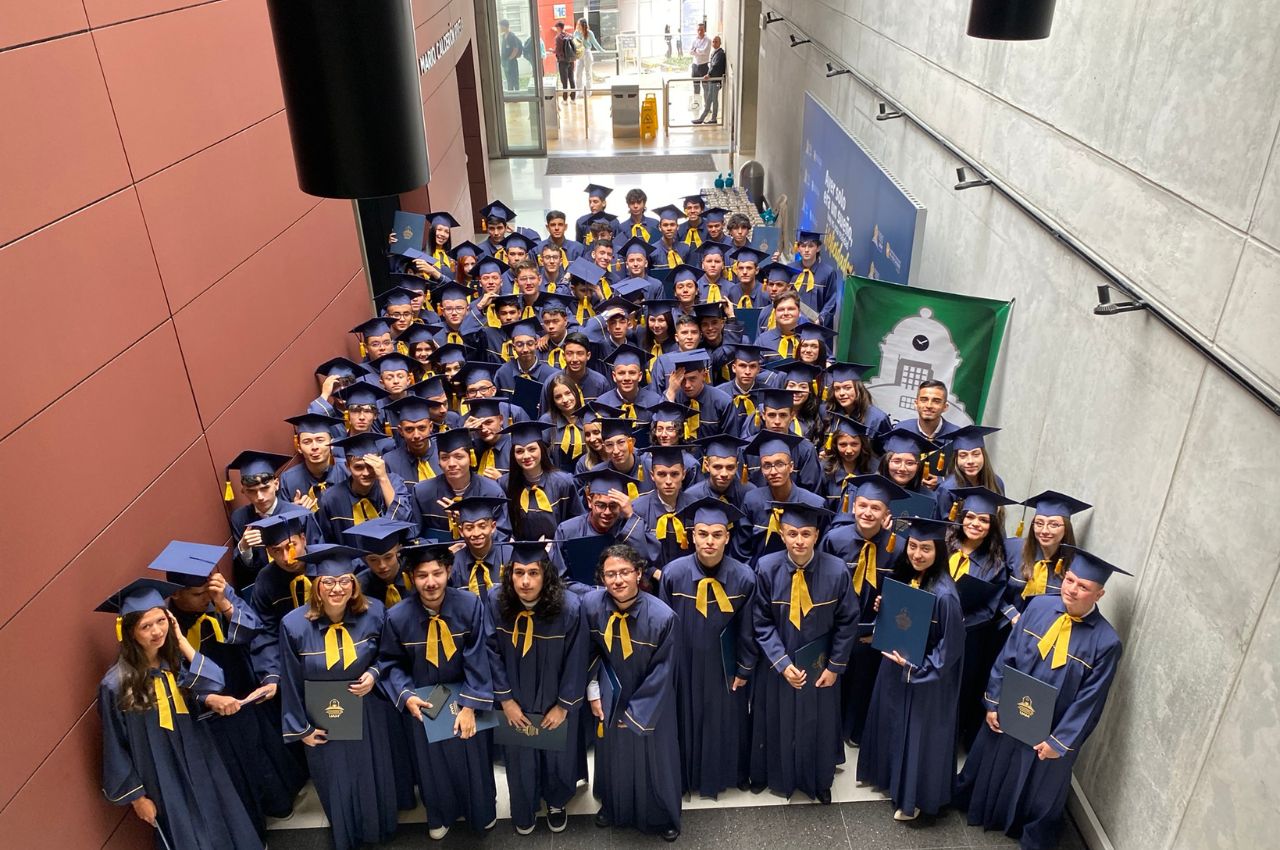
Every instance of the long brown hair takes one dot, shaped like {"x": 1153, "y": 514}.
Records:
{"x": 136, "y": 691}
{"x": 357, "y": 604}
{"x": 986, "y": 478}
{"x": 1030, "y": 547}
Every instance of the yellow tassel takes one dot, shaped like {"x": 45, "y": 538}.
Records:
{"x": 386, "y": 428}
{"x": 364, "y": 352}
{"x": 1021, "y": 524}
{"x": 893, "y": 541}
{"x": 941, "y": 459}
{"x": 955, "y": 506}
{"x": 600, "y": 729}
{"x": 227, "y": 494}
{"x": 119, "y": 629}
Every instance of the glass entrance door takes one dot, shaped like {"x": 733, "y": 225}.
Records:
{"x": 519, "y": 60}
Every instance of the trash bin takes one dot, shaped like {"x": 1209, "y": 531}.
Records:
{"x": 626, "y": 110}
{"x": 751, "y": 178}
{"x": 550, "y": 115}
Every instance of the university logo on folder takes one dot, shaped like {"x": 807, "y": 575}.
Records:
{"x": 439, "y": 719}
{"x": 333, "y": 708}
{"x": 915, "y": 504}
{"x": 1026, "y": 707}
{"x": 532, "y": 736}
{"x": 902, "y": 625}
{"x": 766, "y": 238}
{"x": 408, "y": 228}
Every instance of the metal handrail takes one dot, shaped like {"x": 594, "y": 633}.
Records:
{"x": 726, "y": 92}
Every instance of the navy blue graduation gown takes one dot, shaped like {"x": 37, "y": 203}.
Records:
{"x": 427, "y": 496}
{"x": 795, "y": 734}
{"x": 355, "y": 780}
{"x": 742, "y": 534}
{"x": 412, "y": 469}
{"x": 715, "y": 730}
{"x": 337, "y": 507}
{"x": 808, "y": 469}
{"x": 562, "y": 495}
{"x": 263, "y": 772}
{"x": 552, "y": 672}
{"x": 479, "y": 575}
{"x": 631, "y": 530}
{"x": 844, "y": 541}
{"x": 909, "y": 748}
{"x": 715, "y": 412}
{"x": 756, "y": 506}
{"x": 245, "y": 569}
{"x": 1004, "y": 785}
{"x": 637, "y": 775}
{"x": 642, "y": 407}
{"x": 298, "y": 479}
{"x": 178, "y": 769}
{"x": 274, "y": 594}
{"x": 983, "y": 638}
{"x": 456, "y": 776}
{"x": 667, "y": 528}
{"x": 1013, "y": 602}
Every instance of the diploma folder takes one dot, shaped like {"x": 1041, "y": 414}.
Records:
{"x": 903, "y": 622}
{"x": 534, "y": 736}
{"x": 916, "y": 505}
{"x": 610, "y": 694}
{"x": 729, "y": 652}
{"x": 1026, "y": 707}
{"x": 812, "y": 659}
{"x": 975, "y": 593}
{"x": 408, "y": 229}
{"x": 440, "y": 727}
{"x": 333, "y": 708}
{"x": 528, "y": 396}
{"x": 749, "y": 318}
{"x": 766, "y": 238}
{"x": 582, "y": 555}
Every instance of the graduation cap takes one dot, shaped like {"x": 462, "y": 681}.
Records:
{"x": 778, "y": 271}
{"x": 497, "y": 210}
{"x": 877, "y": 488}
{"x": 670, "y": 212}
{"x": 187, "y": 564}
{"x": 411, "y": 408}
{"x": 803, "y": 235}
{"x": 416, "y": 333}
{"x": 842, "y": 424}
{"x": 278, "y": 528}
{"x": 684, "y": 272}
{"x": 377, "y": 326}
{"x": 586, "y": 271}
{"x": 708, "y": 248}
{"x": 601, "y": 217}
{"x": 392, "y": 362}
{"x": 628, "y": 308}
{"x": 528, "y": 551}
{"x": 313, "y": 423}
{"x": 747, "y": 254}
{"x": 922, "y": 528}
{"x": 606, "y": 479}
{"x": 714, "y": 214}
{"x": 523, "y": 433}
{"x": 359, "y": 445}
{"x": 252, "y": 462}
{"x": 484, "y": 408}
{"x": 695, "y": 359}
{"x": 435, "y": 219}
{"x": 902, "y": 441}
{"x": 518, "y": 240}
{"x": 841, "y": 371}
{"x": 340, "y": 366}
{"x": 511, "y": 300}
{"x": 141, "y": 594}
{"x": 767, "y": 443}
{"x": 814, "y": 331}
{"x": 714, "y": 310}
{"x": 451, "y": 290}
{"x": 554, "y": 302}
{"x": 411, "y": 282}
{"x": 595, "y": 410}
{"x": 970, "y": 437}
{"x": 475, "y": 371}
{"x": 489, "y": 265}
{"x": 616, "y": 427}
{"x": 669, "y": 411}
{"x": 665, "y": 455}
{"x": 524, "y": 327}
{"x": 362, "y": 392}
{"x": 1090, "y": 567}
{"x": 721, "y": 445}
{"x": 653, "y": 306}
{"x": 1052, "y": 503}
{"x": 710, "y": 511}
{"x": 628, "y": 288}
{"x": 379, "y": 535}
{"x": 980, "y": 500}
{"x": 430, "y": 388}
{"x": 627, "y": 355}
{"x": 800, "y": 372}
{"x": 422, "y": 553}
{"x": 400, "y": 296}
{"x": 450, "y": 352}
{"x": 475, "y": 508}
{"x": 776, "y": 397}
{"x": 465, "y": 249}
{"x": 595, "y": 190}
{"x": 330, "y": 559}
{"x": 800, "y": 515}
{"x": 748, "y": 352}
{"x": 455, "y": 439}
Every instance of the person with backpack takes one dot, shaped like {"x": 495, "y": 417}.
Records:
{"x": 565, "y": 58}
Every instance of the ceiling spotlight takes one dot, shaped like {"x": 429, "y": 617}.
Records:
{"x": 833, "y": 71}
{"x": 795, "y": 42}
{"x": 962, "y": 174}
{"x": 886, "y": 114}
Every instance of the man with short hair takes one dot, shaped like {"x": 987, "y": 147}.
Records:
{"x": 565, "y": 57}
{"x": 700, "y": 52}
{"x": 637, "y": 224}
{"x": 480, "y": 563}
{"x": 313, "y": 439}
{"x": 610, "y": 513}
{"x": 629, "y": 394}
{"x": 260, "y": 484}
{"x": 435, "y": 497}
{"x": 777, "y": 464}
{"x": 931, "y": 403}
{"x": 569, "y": 250}
{"x": 369, "y": 491}
{"x": 712, "y": 81}
{"x": 668, "y": 251}
{"x": 510, "y": 50}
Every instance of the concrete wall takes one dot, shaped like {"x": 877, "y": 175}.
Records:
{"x": 167, "y": 291}
{"x": 1150, "y": 130}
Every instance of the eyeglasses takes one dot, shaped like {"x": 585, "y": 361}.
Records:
{"x": 1048, "y": 524}
{"x": 775, "y": 466}
{"x": 330, "y": 582}
{"x": 617, "y": 574}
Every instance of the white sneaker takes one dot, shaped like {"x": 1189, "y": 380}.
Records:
{"x": 903, "y": 816}
{"x": 491, "y": 824}
{"x": 525, "y": 830}
{"x": 437, "y": 833}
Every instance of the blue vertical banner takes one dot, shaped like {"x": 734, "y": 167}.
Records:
{"x": 873, "y": 226}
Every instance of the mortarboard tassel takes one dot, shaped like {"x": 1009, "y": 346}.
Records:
{"x": 893, "y": 541}
{"x": 228, "y": 495}
{"x": 364, "y": 352}
{"x": 1022, "y": 523}
{"x": 942, "y": 456}
{"x": 386, "y": 428}
{"x": 955, "y": 508}
{"x": 119, "y": 629}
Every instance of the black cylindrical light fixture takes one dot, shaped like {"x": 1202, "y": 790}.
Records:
{"x": 1011, "y": 20}
{"x": 350, "y": 77}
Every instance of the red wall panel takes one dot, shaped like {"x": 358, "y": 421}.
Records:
{"x": 104, "y": 12}
{"x": 182, "y": 82}
{"x": 54, "y": 161}
{"x": 23, "y": 23}
{"x": 233, "y": 331}
{"x": 98, "y": 447}
{"x": 94, "y": 255}
{"x": 209, "y": 212}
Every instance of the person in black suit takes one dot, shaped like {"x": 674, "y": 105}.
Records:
{"x": 712, "y": 82}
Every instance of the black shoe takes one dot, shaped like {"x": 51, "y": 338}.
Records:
{"x": 697, "y": 120}
{"x": 744, "y": 785}
{"x": 671, "y": 835}
{"x": 824, "y": 796}
{"x": 602, "y": 820}
{"x": 758, "y": 787}
{"x": 557, "y": 819}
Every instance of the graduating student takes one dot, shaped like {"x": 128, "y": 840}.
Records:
{"x": 479, "y": 563}
{"x": 376, "y": 336}
{"x": 807, "y": 412}
{"x": 369, "y": 491}
{"x": 784, "y": 322}
{"x": 619, "y": 450}
{"x": 564, "y": 417}
{"x": 434, "y": 498}
{"x": 689, "y": 385}
{"x": 849, "y": 396}
{"x": 525, "y": 364}
{"x": 282, "y": 585}
{"x": 818, "y": 283}
{"x": 539, "y": 496}
{"x": 931, "y": 403}
{"x": 693, "y": 232}
{"x": 633, "y": 642}
{"x": 864, "y": 539}
{"x": 710, "y": 259}
{"x": 846, "y": 456}
{"x": 313, "y": 440}
{"x": 668, "y": 251}
{"x": 334, "y": 638}
{"x": 334, "y": 375}
{"x": 745, "y": 378}
{"x": 567, "y": 249}
{"x": 977, "y": 550}
{"x": 156, "y": 757}
{"x": 967, "y": 464}
{"x": 597, "y": 198}
{"x": 660, "y": 509}
{"x": 777, "y": 417}
{"x": 743, "y": 288}
{"x": 712, "y": 594}
{"x": 491, "y": 447}
{"x": 777, "y": 465}
{"x": 413, "y": 459}
{"x": 804, "y": 608}
{"x": 1038, "y": 564}
{"x": 497, "y": 218}
{"x": 900, "y": 453}
{"x": 609, "y": 514}
{"x": 668, "y": 428}
{"x": 589, "y": 383}
{"x": 440, "y": 637}
{"x": 538, "y": 654}
{"x": 260, "y": 484}
{"x": 636, "y": 255}
{"x": 1066, "y": 642}
{"x": 637, "y": 224}
{"x": 221, "y": 625}
{"x": 362, "y": 408}
{"x": 909, "y": 749}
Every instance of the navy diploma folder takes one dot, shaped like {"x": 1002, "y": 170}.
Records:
{"x": 903, "y": 622}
